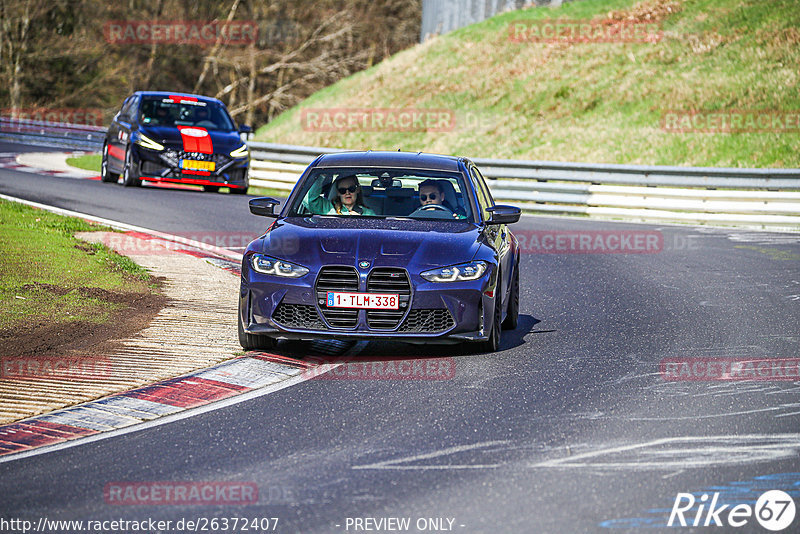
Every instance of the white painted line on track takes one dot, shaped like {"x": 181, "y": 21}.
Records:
{"x": 393, "y": 464}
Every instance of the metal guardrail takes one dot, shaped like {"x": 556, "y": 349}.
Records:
{"x": 77, "y": 136}
{"x": 763, "y": 198}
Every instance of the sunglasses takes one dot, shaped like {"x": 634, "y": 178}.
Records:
{"x": 352, "y": 189}
{"x": 423, "y": 198}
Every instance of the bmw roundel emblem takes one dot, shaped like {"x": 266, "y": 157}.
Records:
{"x": 364, "y": 264}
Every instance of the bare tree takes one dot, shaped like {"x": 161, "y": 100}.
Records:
{"x": 15, "y": 28}
{"x": 302, "y": 46}
{"x": 210, "y": 57}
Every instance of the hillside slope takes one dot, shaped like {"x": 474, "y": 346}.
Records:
{"x": 586, "y": 101}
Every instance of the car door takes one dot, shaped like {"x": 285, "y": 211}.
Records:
{"x": 496, "y": 235}
{"x": 119, "y": 133}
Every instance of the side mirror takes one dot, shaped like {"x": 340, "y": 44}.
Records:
{"x": 245, "y": 129}
{"x": 264, "y": 206}
{"x": 502, "y": 214}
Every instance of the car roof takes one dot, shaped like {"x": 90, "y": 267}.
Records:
{"x": 403, "y": 160}
{"x": 167, "y": 94}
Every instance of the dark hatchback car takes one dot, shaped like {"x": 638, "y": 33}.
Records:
{"x": 178, "y": 138}
{"x": 382, "y": 245}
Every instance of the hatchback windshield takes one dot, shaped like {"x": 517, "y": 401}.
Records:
{"x": 178, "y": 111}
{"x": 418, "y": 194}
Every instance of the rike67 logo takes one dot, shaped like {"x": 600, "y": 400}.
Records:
{"x": 774, "y": 510}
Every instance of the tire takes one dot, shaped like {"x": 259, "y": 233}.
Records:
{"x": 237, "y": 191}
{"x": 210, "y": 188}
{"x": 105, "y": 175}
{"x": 253, "y": 342}
{"x": 512, "y": 315}
{"x": 493, "y": 343}
{"x": 130, "y": 178}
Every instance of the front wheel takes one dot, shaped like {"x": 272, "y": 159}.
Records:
{"x": 130, "y": 177}
{"x": 106, "y": 176}
{"x": 238, "y": 191}
{"x": 254, "y": 342}
{"x": 210, "y": 188}
{"x": 512, "y": 317}
{"x": 493, "y": 343}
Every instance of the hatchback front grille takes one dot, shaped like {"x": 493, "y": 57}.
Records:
{"x": 337, "y": 279}
{"x": 175, "y": 155}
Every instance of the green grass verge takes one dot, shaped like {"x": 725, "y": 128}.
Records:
{"x": 593, "y": 102}
{"x": 48, "y": 275}
{"x": 87, "y": 162}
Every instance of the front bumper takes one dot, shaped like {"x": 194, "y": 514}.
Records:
{"x": 435, "y": 312}
{"x": 164, "y": 166}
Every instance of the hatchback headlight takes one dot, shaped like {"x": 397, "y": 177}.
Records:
{"x": 267, "y": 265}
{"x": 240, "y": 152}
{"x": 456, "y": 273}
{"x": 146, "y": 142}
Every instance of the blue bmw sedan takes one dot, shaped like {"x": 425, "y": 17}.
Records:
{"x": 382, "y": 245}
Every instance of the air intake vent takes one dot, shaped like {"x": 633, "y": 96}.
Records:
{"x": 428, "y": 321}
{"x": 297, "y": 316}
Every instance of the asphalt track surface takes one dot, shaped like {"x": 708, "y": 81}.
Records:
{"x": 571, "y": 427}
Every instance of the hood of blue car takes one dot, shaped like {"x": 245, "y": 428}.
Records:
{"x": 416, "y": 245}
{"x": 170, "y": 135}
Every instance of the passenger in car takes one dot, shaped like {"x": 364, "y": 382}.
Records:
{"x": 349, "y": 199}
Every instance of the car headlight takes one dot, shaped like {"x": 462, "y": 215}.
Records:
{"x": 146, "y": 142}
{"x": 240, "y": 152}
{"x": 456, "y": 273}
{"x": 267, "y": 265}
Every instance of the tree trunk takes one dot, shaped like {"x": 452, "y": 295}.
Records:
{"x": 251, "y": 86}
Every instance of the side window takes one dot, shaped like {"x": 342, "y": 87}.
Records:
{"x": 128, "y": 108}
{"x": 484, "y": 200}
{"x": 484, "y": 185}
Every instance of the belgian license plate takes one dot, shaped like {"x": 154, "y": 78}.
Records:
{"x": 195, "y": 165}
{"x": 367, "y": 301}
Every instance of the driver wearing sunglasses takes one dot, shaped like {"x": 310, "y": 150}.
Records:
{"x": 349, "y": 199}
{"x": 431, "y": 193}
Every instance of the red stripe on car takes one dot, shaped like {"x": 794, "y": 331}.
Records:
{"x": 196, "y": 140}
{"x": 176, "y": 98}
{"x": 116, "y": 152}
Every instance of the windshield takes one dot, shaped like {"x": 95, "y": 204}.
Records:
{"x": 185, "y": 111}
{"x": 418, "y": 194}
